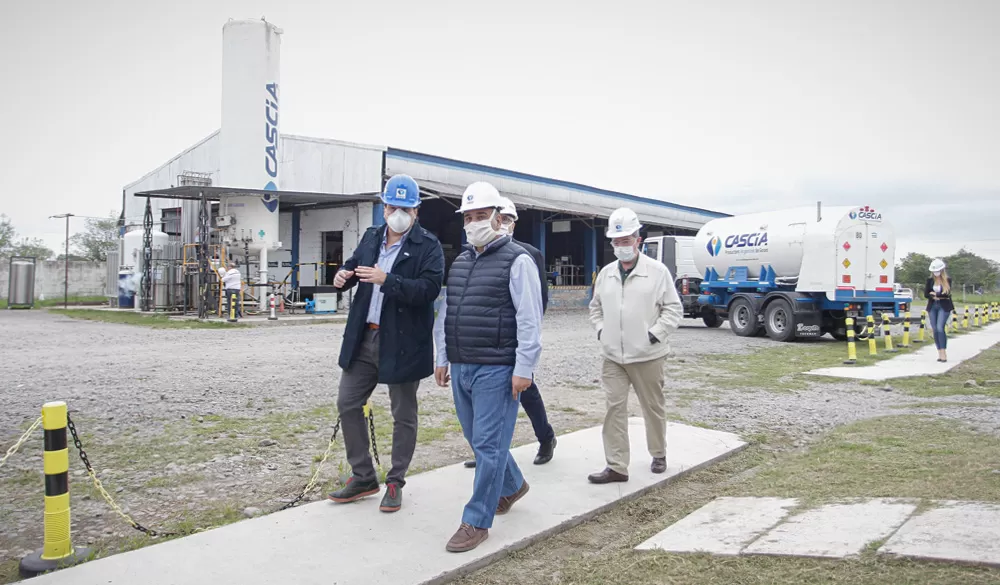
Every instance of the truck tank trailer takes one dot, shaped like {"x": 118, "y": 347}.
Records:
{"x": 798, "y": 273}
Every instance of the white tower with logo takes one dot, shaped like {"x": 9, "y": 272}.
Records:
{"x": 249, "y": 157}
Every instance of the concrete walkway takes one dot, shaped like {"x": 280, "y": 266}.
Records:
{"x": 325, "y": 543}
{"x": 967, "y": 532}
{"x": 923, "y": 361}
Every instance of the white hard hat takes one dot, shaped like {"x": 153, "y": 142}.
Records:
{"x": 480, "y": 195}
{"x": 623, "y": 222}
{"x": 508, "y": 208}
{"x": 937, "y": 265}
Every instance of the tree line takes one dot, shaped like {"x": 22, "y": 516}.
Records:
{"x": 98, "y": 237}
{"x": 964, "y": 267}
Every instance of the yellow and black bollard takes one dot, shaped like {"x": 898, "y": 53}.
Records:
{"x": 965, "y": 319}
{"x": 986, "y": 315}
{"x": 923, "y": 325}
{"x": 852, "y": 351}
{"x": 887, "y": 333}
{"x": 232, "y": 308}
{"x": 906, "y": 330}
{"x": 975, "y": 316}
{"x": 57, "y": 549}
{"x": 872, "y": 346}
{"x": 954, "y": 321}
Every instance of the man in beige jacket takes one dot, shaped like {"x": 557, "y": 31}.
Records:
{"x": 635, "y": 308}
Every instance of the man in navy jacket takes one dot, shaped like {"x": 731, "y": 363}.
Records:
{"x": 399, "y": 269}
{"x": 531, "y": 399}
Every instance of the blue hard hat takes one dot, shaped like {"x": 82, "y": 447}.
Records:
{"x": 401, "y": 191}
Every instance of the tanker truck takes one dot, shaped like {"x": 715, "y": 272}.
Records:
{"x": 677, "y": 254}
{"x": 799, "y": 273}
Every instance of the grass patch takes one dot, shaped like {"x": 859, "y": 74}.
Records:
{"x": 893, "y": 456}
{"x": 650, "y": 568}
{"x": 896, "y": 456}
{"x": 945, "y": 404}
{"x": 58, "y": 302}
{"x": 777, "y": 368}
{"x": 983, "y": 367}
{"x": 429, "y": 434}
{"x": 132, "y": 318}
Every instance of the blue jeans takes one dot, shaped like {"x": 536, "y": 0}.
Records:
{"x": 939, "y": 324}
{"x": 534, "y": 407}
{"x": 488, "y": 414}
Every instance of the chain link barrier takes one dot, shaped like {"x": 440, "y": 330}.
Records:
{"x": 310, "y": 485}
{"x": 27, "y": 434}
{"x": 371, "y": 433}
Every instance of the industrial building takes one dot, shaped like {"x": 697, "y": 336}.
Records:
{"x": 302, "y": 212}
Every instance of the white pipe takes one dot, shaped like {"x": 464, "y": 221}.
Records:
{"x": 262, "y": 279}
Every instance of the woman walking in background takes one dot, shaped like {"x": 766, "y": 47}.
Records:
{"x": 939, "y": 305}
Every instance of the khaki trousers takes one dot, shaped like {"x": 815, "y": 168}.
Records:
{"x": 647, "y": 379}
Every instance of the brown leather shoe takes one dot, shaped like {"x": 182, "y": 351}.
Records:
{"x": 507, "y": 501}
{"x": 607, "y": 476}
{"x": 659, "y": 465}
{"x": 467, "y": 538}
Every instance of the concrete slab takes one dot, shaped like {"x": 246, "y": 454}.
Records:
{"x": 325, "y": 543}
{"x": 722, "y": 527}
{"x": 921, "y": 362}
{"x": 966, "y": 532}
{"x": 835, "y": 530}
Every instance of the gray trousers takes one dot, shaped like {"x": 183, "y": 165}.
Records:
{"x": 356, "y": 385}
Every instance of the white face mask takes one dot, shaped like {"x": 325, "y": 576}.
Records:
{"x": 480, "y": 233}
{"x": 625, "y": 253}
{"x": 399, "y": 221}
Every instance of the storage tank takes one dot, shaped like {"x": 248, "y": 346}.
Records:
{"x": 21, "y": 284}
{"x": 249, "y": 157}
{"x": 132, "y": 247}
{"x": 845, "y": 247}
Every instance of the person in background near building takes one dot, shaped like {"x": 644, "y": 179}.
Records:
{"x": 400, "y": 268}
{"x": 531, "y": 399}
{"x": 489, "y": 329}
{"x": 635, "y": 308}
{"x": 937, "y": 291}
{"x": 232, "y": 284}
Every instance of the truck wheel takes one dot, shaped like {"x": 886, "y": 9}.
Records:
{"x": 711, "y": 318}
{"x": 779, "y": 321}
{"x": 743, "y": 319}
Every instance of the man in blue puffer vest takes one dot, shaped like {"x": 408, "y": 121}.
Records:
{"x": 387, "y": 340}
{"x": 531, "y": 399}
{"x": 489, "y": 329}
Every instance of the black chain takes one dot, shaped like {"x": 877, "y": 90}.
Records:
{"x": 86, "y": 462}
{"x": 302, "y": 494}
{"x": 154, "y": 533}
{"x": 371, "y": 429}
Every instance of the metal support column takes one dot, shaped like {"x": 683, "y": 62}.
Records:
{"x": 539, "y": 235}
{"x": 296, "y": 227}
{"x": 147, "y": 257}
{"x": 589, "y": 254}
{"x": 204, "y": 219}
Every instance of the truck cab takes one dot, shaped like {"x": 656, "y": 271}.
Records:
{"x": 677, "y": 254}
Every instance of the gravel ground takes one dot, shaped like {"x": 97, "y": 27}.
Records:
{"x": 203, "y": 425}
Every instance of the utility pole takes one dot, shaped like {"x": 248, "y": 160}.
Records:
{"x": 65, "y": 258}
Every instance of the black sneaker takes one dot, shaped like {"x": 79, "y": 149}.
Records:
{"x": 545, "y": 451}
{"x": 470, "y": 464}
{"x": 354, "y": 490}
{"x": 392, "y": 501}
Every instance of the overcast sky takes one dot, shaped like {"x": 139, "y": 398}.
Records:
{"x": 731, "y": 105}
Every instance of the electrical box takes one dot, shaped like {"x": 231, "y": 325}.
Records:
{"x": 225, "y": 221}
{"x": 325, "y": 302}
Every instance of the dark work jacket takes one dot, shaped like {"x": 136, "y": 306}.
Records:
{"x": 480, "y": 325}
{"x": 944, "y": 301}
{"x": 536, "y": 255}
{"x": 406, "y": 331}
